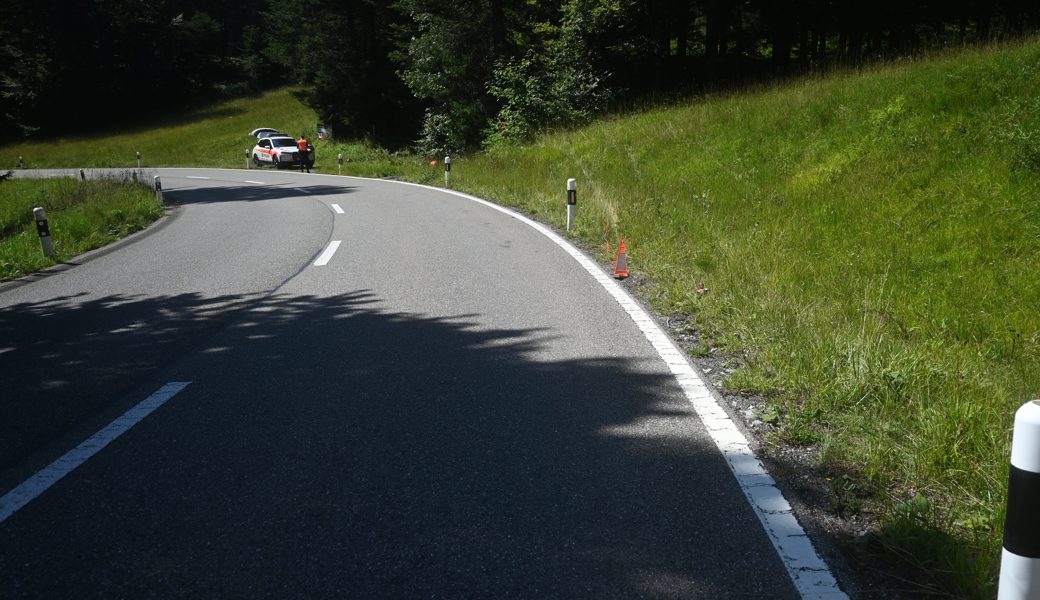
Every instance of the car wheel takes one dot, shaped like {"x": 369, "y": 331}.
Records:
{"x": 256, "y": 161}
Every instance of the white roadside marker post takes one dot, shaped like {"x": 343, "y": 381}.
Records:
{"x": 572, "y": 201}
{"x": 1020, "y": 556}
{"x": 158, "y": 190}
{"x": 247, "y": 158}
{"x": 447, "y": 171}
{"x": 21, "y": 162}
{"x": 138, "y": 160}
{"x": 339, "y": 159}
{"x": 45, "y": 233}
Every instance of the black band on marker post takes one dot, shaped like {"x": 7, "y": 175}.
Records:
{"x": 1022, "y": 527}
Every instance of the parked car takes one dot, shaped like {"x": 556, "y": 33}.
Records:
{"x": 280, "y": 151}
{"x": 263, "y": 132}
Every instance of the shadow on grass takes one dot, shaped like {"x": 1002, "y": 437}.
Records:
{"x": 331, "y": 448}
{"x": 927, "y": 562}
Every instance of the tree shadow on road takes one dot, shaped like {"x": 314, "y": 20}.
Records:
{"x": 328, "y": 448}
{"x": 251, "y": 193}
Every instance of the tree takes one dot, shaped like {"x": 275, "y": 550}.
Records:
{"x": 340, "y": 53}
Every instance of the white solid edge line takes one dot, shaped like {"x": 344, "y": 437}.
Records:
{"x": 195, "y": 177}
{"x": 809, "y": 573}
{"x": 326, "y": 255}
{"x": 337, "y": 208}
{"x": 52, "y": 473}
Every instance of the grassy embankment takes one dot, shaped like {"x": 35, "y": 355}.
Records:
{"x": 870, "y": 241}
{"x": 82, "y": 215}
{"x": 213, "y": 137}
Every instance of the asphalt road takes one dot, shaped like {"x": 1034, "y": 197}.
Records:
{"x": 450, "y": 407}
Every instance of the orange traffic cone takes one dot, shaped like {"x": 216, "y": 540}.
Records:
{"x": 621, "y": 264}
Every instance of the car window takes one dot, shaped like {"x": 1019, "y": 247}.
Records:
{"x": 265, "y": 143}
{"x": 284, "y": 142}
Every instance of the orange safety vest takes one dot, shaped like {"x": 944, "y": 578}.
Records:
{"x": 302, "y": 145}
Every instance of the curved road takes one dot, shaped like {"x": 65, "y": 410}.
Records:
{"x": 448, "y": 405}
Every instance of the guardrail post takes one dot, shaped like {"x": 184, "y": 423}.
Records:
{"x": 40, "y": 215}
{"x": 82, "y": 175}
{"x": 1020, "y": 556}
{"x": 572, "y": 201}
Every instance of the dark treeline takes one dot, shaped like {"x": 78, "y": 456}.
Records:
{"x": 444, "y": 75}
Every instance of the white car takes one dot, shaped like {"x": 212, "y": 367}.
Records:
{"x": 280, "y": 151}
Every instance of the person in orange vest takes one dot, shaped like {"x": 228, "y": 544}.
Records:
{"x": 304, "y": 147}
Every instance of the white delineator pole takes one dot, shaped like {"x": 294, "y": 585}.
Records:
{"x": 447, "y": 171}
{"x": 1020, "y": 556}
{"x": 158, "y": 190}
{"x": 138, "y": 160}
{"x": 45, "y": 233}
{"x": 339, "y": 159}
{"x": 572, "y": 201}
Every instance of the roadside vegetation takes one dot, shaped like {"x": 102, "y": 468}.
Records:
{"x": 864, "y": 245}
{"x": 82, "y": 215}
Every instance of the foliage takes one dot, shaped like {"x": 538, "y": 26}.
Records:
{"x": 84, "y": 65}
{"x": 339, "y": 53}
{"x": 551, "y": 85}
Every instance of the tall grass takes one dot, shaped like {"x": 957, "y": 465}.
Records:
{"x": 82, "y": 215}
{"x": 870, "y": 241}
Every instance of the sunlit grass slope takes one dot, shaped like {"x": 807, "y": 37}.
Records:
{"x": 871, "y": 242}
{"x": 213, "y": 137}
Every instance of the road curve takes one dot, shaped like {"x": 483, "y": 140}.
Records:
{"x": 390, "y": 391}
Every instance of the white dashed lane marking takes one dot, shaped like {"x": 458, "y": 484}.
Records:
{"x": 326, "y": 256}
{"x": 52, "y": 473}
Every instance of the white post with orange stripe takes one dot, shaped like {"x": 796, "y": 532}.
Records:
{"x": 1020, "y": 556}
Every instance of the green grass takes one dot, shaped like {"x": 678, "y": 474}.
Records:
{"x": 870, "y": 241}
{"x": 213, "y": 137}
{"x": 82, "y": 215}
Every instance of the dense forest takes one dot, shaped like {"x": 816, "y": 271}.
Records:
{"x": 441, "y": 75}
